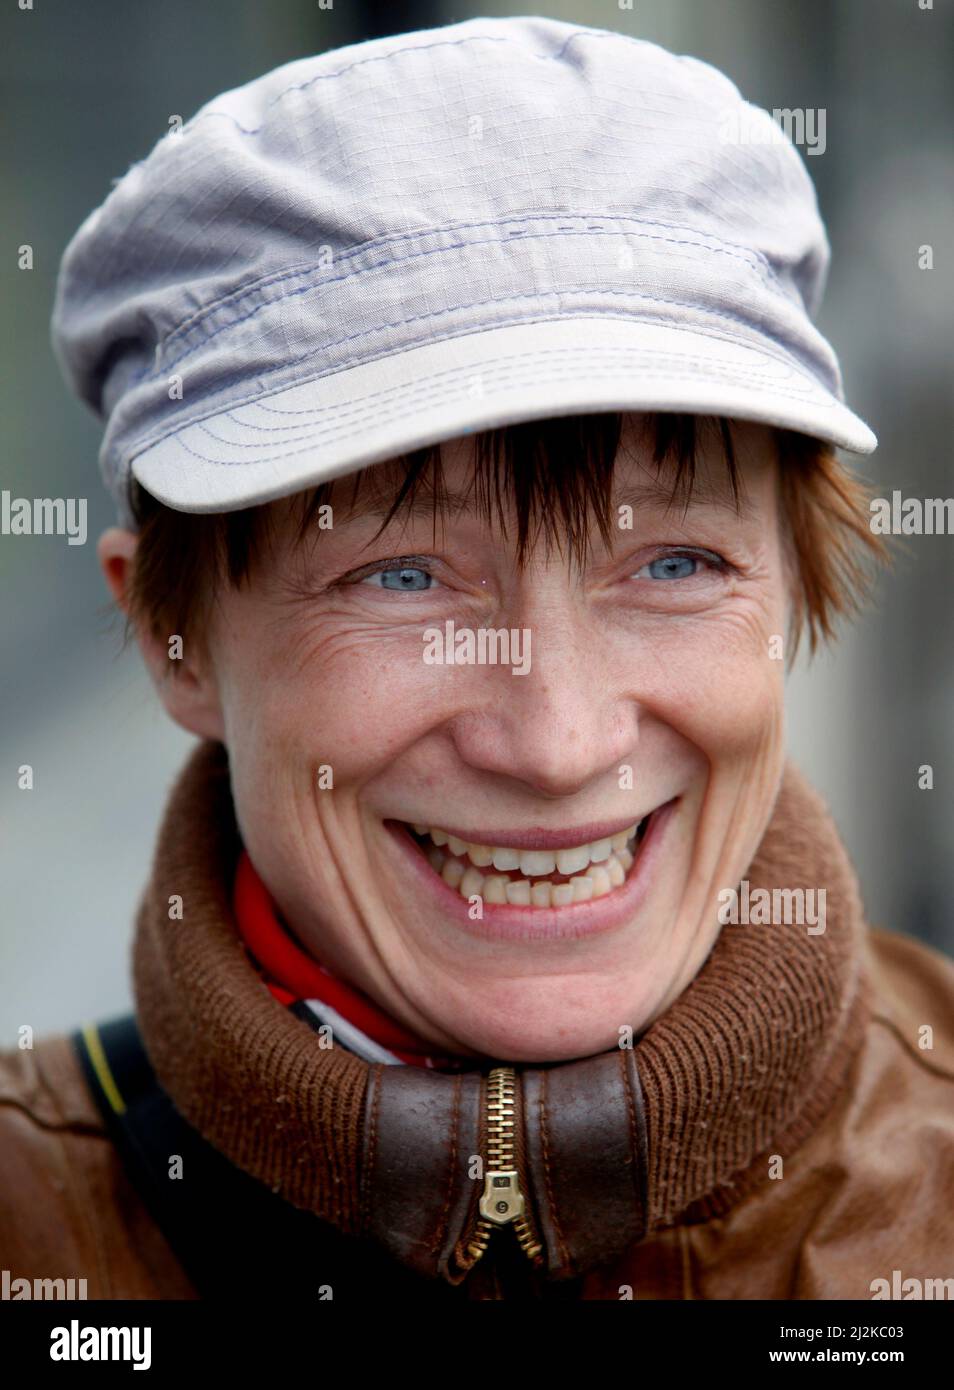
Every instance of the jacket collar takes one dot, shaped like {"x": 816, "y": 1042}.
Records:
{"x": 743, "y": 1065}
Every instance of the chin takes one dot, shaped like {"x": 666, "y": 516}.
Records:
{"x": 548, "y": 1037}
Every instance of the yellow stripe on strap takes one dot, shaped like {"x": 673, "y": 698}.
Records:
{"x": 101, "y": 1067}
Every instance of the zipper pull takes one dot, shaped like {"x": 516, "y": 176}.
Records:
{"x": 502, "y": 1200}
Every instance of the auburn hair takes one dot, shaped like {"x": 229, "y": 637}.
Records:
{"x": 557, "y": 473}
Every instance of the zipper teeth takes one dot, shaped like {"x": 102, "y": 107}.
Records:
{"x": 501, "y": 1117}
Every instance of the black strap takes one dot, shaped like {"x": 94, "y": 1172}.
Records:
{"x": 232, "y": 1234}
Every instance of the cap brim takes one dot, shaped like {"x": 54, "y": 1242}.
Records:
{"x": 332, "y": 425}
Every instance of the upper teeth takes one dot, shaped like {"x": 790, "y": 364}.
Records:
{"x": 532, "y": 863}
{"x": 604, "y": 865}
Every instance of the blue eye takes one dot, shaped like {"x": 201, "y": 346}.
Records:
{"x": 673, "y": 567}
{"x": 407, "y": 579}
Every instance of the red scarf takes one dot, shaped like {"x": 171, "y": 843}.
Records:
{"x": 297, "y": 979}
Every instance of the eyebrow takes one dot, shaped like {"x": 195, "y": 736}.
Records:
{"x": 377, "y": 506}
{"x": 702, "y": 493}
{"x": 420, "y": 504}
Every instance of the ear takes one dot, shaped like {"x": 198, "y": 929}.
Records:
{"x": 186, "y": 684}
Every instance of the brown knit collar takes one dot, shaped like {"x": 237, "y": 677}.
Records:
{"x": 746, "y": 1061}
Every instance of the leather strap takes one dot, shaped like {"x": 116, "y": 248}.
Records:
{"x": 584, "y": 1156}
{"x": 587, "y": 1154}
{"x": 421, "y": 1129}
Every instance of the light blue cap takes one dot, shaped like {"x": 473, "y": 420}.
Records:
{"x": 404, "y": 240}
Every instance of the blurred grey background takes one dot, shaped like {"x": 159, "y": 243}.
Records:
{"x": 88, "y": 86}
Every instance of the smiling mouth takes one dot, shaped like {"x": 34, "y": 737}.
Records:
{"x": 531, "y": 877}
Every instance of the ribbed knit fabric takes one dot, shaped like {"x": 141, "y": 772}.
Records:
{"x": 745, "y": 1063}
{"x": 242, "y": 1069}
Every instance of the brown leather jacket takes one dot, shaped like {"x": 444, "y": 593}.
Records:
{"x": 870, "y": 1192}
{"x": 862, "y": 1193}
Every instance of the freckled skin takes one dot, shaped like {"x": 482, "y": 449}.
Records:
{"x": 669, "y": 675}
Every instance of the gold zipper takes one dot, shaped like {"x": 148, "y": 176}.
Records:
{"x": 503, "y": 1201}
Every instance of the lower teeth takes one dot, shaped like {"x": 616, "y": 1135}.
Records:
{"x": 598, "y": 880}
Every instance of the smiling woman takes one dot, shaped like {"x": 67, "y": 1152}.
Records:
{"x": 477, "y": 480}
{"x": 654, "y": 563}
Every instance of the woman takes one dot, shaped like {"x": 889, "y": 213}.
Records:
{"x": 476, "y": 475}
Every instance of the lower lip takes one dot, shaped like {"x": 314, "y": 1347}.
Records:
{"x": 505, "y": 922}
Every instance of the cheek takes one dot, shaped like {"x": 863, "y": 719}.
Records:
{"x": 350, "y": 699}
{"x": 714, "y": 680}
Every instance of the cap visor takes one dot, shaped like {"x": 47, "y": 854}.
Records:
{"x": 332, "y": 425}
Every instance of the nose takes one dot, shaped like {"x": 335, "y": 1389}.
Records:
{"x": 568, "y": 722}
